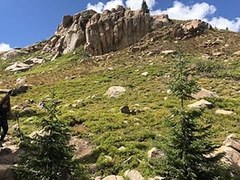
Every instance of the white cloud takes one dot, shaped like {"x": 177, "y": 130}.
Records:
{"x": 223, "y": 23}
{"x": 4, "y": 47}
{"x": 180, "y": 11}
{"x": 113, "y": 4}
{"x": 96, "y": 7}
{"x": 136, "y": 4}
{"x": 99, "y": 7}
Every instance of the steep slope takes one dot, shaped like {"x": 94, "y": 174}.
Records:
{"x": 122, "y": 141}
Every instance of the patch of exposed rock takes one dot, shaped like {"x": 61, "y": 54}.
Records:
{"x": 83, "y": 148}
{"x": 113, "y": 177}
{"x": 18, "y": 66}
{"x": 115, "y": 91}
{"x": 102, "y": 33}
{"x": 190, "y": 29}
{"x": 13, "y": 53}
{"x": 204, "y": 93}
{"x": 133, "y": 175}
{"x": 200, "y": 104}
{"x": 230, "y": 151}
{"x": 224, "y": 112}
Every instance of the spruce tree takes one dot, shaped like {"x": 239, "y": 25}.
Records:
{"x": 188, "y": 144}
{"x": 47, "y": 155}
{"x": 145, "y": 7}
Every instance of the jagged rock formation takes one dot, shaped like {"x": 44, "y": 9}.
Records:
{"x": 110, "y": 31}
{"x": 102, "y": 33}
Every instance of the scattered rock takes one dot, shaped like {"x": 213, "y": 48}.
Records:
{"x": 168, "y": 52}
{"x": 230, "y": 151}
{"x": 125, "y": 110}
{"x": 217, "y": 54}
{"x": 122, "y": 148}
{"x": 83, "y": 148}
{"x": 155, "y": 153}
{"x": 113, "y": 177}
{"x": 224, "y": 112}
{"x": 157, "y": 178}
{"x": 201, "y": 104}
{"x": 133, "y": 175}
{"x": 33, "y": 61}
{"x": 20, "y": 90}
{"x": 21, "y": 81}
{"x": 204, "y": 93}
{"x": 237, "y": 53}
{"x": 144, "y": 74}
{"x": 18, "y": 66}
{"x": 115, "y": 91}
{"x": 27, "y": 111}
{"x": 37, "y": 133}
{"x": 5, "y": 91}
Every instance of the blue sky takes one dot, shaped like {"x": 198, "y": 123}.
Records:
{"x": 24, "y": 22}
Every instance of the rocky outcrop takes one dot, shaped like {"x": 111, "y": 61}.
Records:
{"x": 13, "y": 53}
{"x": 190, "y": 29}
{"x": 102, "y": 33}
{"x": 109, "y": 31}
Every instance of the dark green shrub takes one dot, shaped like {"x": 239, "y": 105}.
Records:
{"x": 47, "y": 155}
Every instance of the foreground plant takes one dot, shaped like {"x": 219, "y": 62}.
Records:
{"x": 47, "y": 155}
{"x": 189, "y": 144}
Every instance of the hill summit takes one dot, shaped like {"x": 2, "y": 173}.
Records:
{"x": 112, "y": 30}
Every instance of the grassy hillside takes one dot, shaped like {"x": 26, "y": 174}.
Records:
{"x": 80, "y": 83}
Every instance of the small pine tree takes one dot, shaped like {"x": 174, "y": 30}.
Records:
{"x": 145, "y": 7}
{"x": 189, "y": 141}
{"x": 48, "y": 156}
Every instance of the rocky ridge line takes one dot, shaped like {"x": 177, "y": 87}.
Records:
{"x": 108, "y": 32}
{"x": 113, "y": 30}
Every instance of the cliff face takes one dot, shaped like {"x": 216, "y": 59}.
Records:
{"x": 102, "y": 33}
